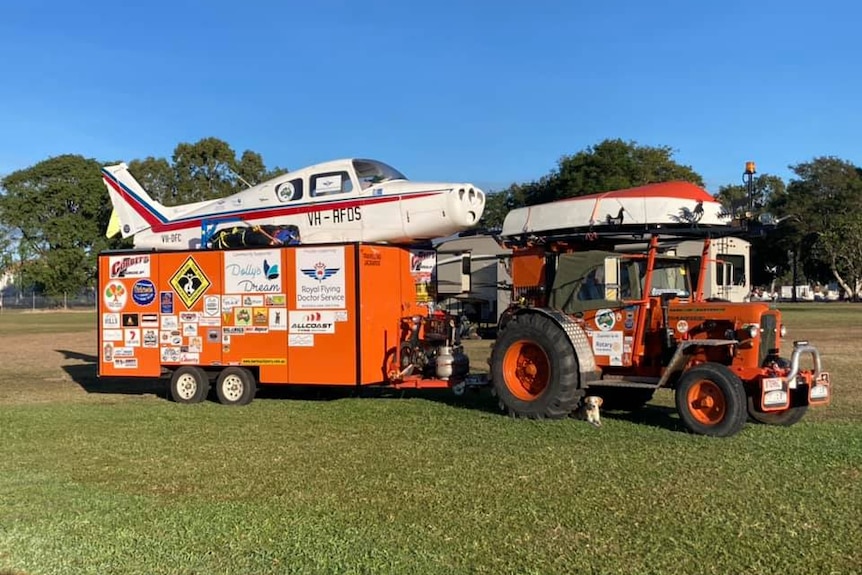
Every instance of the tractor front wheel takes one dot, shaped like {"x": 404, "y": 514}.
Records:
{"x": 711, "y": 400}
{"x": 534, "y": 368}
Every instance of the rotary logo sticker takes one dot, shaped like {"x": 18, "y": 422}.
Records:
{"x": 190, "y": 282}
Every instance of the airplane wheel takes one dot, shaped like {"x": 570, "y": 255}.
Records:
{"x": 534, "y": 369}
{"x": 189, "y": 384}
{"x": 235, "y": 386}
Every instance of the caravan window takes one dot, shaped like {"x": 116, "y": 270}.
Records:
{"x": 730, "y": 270}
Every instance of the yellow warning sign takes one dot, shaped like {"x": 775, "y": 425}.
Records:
{"x": 190, "y": 282}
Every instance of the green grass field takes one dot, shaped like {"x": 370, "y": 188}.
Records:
{"x": 110, "y": 477}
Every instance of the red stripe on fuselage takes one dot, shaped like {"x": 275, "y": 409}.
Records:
{"x": 275, "y": 212}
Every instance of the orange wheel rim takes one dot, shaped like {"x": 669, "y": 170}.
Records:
{"x": 706, "y": 402}
{"x": 526, "y": 370}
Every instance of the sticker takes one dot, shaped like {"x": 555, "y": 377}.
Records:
{"x": 190, "y": 357}
{"x": 126, "y": 363}
{"x": 300, "y": 340}
{"x": 252, "y": 300}
{"x": 260, "y": 316}
{"x": 252, "y": 271}
{"x": 108, "y": 353}
{"x": 312, "y": 322}
{"x": 115, "y": 296}
{"x": 320, "y": 281}
{"x": 212, "y": 306}
{"x": 164, "y": 337}
{"x": 609, "y": 343}
{"x": 112, "y": 335}
{"x": 257, "y": 329}
{"x": 213, "y": 335}
{"x": 276, "y": 299}
{"x": 176, "y": 339}
{"x": 132, "y": 337}
{"x": 228, "y": 302}
{"x": 264, "y": 361}
{"x": 627, "y": 344}
{"x": 166, "y": 302}
{"x": 129, "y": 266}
{"x": 123, "y": 352}
{"x": 210, "y": 321}
{"x": 196, "y": 344}
{"x": 150, "y": 337}
{"x": 130, "y": 320}
{"x": 170, "y": 354}
{"x": 682, "y": 326}
{"x": 150, "y": 320}
{"x": 327, "y": 184}
{"x": 225, "y": 338}
{"x": 341, "y": 315}
{"x": 190, "y": 282}
{"x": 277, "y": 318}
{"x": 189, "y": 317}
{"x": 242, "y": 316}
{"x": 190, "y": 329}
{"x": 605, "y": 319}
{"x": 170, "y": 322}
{"x": 144, "y": 292}
{"x": 110, "y": 320}
{"x": 234, "y": 330}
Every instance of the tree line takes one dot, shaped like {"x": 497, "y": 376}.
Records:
{"x": 53, "y": 215}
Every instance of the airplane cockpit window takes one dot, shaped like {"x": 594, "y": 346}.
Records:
{"x": 330, "y": 184}
{"x": 371, "y": 172}
{"x": 289, "y": 191}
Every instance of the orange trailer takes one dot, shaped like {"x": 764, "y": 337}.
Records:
{"x": 339, "y": 314}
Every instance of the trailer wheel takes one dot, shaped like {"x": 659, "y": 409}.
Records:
{"x": 534, "y": 368}
{"x": 235, "y": 386}
{"x": 189, "y": 384}
{"x": 711, "y": 400}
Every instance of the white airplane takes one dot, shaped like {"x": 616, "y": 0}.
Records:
{"x": 340, "y": 201}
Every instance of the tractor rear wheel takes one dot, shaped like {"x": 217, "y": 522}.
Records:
{"x": 711, "y": 400}
{"x": 534, "y": 369}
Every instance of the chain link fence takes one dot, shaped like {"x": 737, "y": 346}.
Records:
{"x": 13, "y": 300}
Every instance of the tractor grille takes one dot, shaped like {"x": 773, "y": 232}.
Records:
{"x": 768, "y": 334}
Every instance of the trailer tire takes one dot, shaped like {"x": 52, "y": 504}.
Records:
{"x": 189, "y": 384}
{"x": 534, "y": 369}
{"x": 235, "y": 386}
{"x": 711, "y": 400}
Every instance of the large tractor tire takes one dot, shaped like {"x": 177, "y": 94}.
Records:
{"x": 534, "y": 369}
{"x": 711, "y": 400}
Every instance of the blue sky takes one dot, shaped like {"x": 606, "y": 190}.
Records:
{"x": 492, "y": 92}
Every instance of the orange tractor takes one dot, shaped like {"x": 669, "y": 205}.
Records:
{"x": 593, "y": 320}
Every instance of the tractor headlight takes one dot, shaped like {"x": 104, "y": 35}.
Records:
{"x": 782, "y": 331}
{"x": 753, "y": 330}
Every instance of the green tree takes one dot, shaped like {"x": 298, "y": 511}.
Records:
{"x": 822, "y": 208}
{"x": 204, "y": 170}
{"x": 157, "y": 177}
{"x": 59, "y": 210}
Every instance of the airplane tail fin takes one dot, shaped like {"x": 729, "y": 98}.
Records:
{"x": 134, "y": 209}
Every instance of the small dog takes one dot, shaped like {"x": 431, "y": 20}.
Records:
{"x": 590, "y": 409}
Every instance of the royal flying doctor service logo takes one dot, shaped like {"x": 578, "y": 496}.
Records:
{"x": 190, "y": 282}
{"x": 320, "y": 272}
